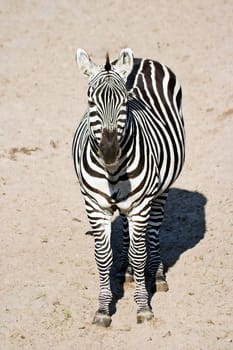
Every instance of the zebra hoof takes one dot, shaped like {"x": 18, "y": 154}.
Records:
{"x": 161, "y": 285}
{"x": 144, "y": 315}
{"x": 102, "y": 319}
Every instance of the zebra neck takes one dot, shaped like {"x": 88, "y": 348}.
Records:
{"x": 127, "y": 145}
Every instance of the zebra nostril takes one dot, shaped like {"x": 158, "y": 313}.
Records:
{"x": 109, "y": 149}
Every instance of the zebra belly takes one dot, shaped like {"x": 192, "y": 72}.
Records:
{"x": 126, "y": 197}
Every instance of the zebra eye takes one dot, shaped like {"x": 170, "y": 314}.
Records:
{"x": 91, "y": 104}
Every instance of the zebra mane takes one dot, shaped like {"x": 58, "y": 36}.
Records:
{"x": 107, "y": 64}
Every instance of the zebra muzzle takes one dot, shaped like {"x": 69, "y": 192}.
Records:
{"x": 109, "y": 148}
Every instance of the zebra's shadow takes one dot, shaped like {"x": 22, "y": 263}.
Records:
{"x": 182, "y": 229}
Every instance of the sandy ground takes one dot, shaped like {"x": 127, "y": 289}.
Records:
{"x": 49, "y": 281}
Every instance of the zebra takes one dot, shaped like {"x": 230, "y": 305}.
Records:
{"x": 128, "y": 149}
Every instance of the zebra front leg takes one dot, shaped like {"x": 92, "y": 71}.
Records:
{"x": 101, "y": 227}
{"x": 137, "y": 259}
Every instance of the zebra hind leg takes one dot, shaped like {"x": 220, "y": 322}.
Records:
{"x": 156, "y": 279}
{"x": 125, "y": 271}
{"x": 155, "y": 268}
{"x": 160, "y": 279}
{"x": 128, "y": 270}
{"x": 129, "y": 274}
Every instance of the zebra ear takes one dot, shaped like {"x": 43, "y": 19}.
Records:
{"x": 124, "y": 63}
{"x": 86, "y": 66}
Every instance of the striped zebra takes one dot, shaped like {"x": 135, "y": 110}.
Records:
{"x": 128, "y": 150}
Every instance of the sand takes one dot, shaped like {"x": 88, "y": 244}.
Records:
{"x": 49, "y": 280}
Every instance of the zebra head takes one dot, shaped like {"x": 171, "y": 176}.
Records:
{"x": 107, "y": 102}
